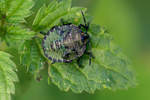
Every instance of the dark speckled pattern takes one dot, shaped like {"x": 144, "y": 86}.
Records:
{"x": 64, "y": 43}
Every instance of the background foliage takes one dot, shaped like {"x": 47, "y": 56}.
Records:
{"x": 106, "y": 21}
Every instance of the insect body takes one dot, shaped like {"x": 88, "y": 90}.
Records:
{"x": 66, "y": 42}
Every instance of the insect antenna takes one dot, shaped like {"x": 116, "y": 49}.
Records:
{"x": 84, "y": 18}
{"x": 86, "y": 26}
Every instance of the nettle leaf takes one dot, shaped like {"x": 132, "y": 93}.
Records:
{"x": 31, "y": 56}
{"x": 18, "y": 33}
{"x": 2, "y": 6}
{"x": 13, "y": 14}
{"x": 50, "y": 16}
{"x": 17, "y": 10}
{"x": 7, "y": 76}
{"x": 110, "y": 69}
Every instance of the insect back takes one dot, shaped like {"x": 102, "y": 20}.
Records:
{"x": 63, "y": 43}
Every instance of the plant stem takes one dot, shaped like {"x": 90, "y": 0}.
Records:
{"x": 48, "y": 61}
{"x": 40, "y": 48}
{"x": 39, "y": 35}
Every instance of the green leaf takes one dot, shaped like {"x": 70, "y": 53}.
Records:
{"x": 110, "y": 69}
{"x": 2, "y": 6}
{"x": 7, "y": 76}
{"x": 15, "y": 34}
{"x": 49, "y": 16}
{"x": 17, "y": 10}
{"x": 12, "y": 15}
{"x": 19, "y": 33}
{"x": 31, "y": 56}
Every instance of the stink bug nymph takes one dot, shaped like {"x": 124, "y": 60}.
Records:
{"x": 67, "y": 42}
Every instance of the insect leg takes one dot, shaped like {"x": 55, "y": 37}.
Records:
{"x": 78, "y": 62}
{"x": 89, "y": 52}
{"x": 43, "y": 33}
{"x": 81, "y": 25}
{"x": 85, "y": 27}
{"x": 90, "y": 56}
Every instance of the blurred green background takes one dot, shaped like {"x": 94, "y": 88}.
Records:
{"x": 128, "y": 21}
